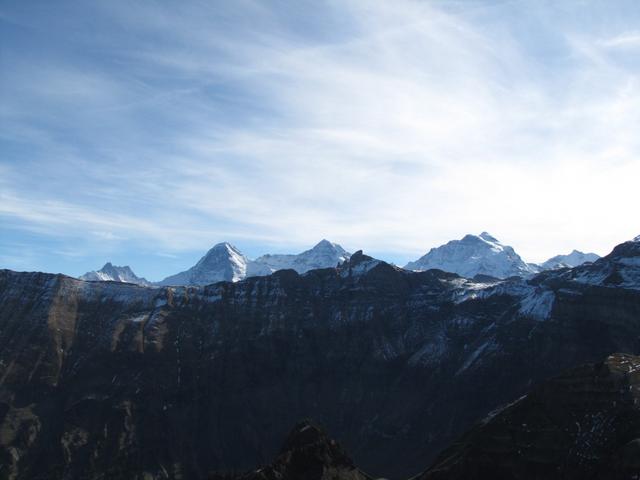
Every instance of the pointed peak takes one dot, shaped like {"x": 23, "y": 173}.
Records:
{"x": 304, "y": 434}
{"x": 224, "y": 247}
{"x": 107, "y": 266}
{"x": 324, "y": 243}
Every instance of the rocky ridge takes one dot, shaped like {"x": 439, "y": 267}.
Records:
{"x": 396, "y": 364}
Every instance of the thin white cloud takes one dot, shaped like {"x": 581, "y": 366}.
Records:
{"x": 623, "y": 40}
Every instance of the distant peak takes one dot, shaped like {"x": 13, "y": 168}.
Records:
{"x": 637, "y": 239}
{"x": 107, "y": 265}
{"x": 325, "y": 245}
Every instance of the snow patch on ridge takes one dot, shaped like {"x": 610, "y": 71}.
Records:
{"x": 537, "y": 304}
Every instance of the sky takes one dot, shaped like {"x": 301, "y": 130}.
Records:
{"x": 145, "y": 132}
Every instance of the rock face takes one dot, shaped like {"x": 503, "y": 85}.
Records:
{"x": 573, "y": 259}
{"x": 223, "y": 262}
{"x": 584, "y": 423}
{"x": 113, "y": 380}
{"x": 309, "y": 454}
{"x": 324, "y": 255}
{"x": 475, "y": 255}
{"x": 112, "y": 273}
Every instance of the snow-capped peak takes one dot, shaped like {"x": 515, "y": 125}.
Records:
{"x": 223, "y": 262}
{"x": 112, "y": 273}
{"x": 219, "y": 252}
{"x": 324, "y": 254}
{"x": 473, "y": 255}
{"x": 571, "y": 260}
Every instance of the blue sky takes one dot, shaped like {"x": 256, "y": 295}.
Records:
{"x": 143, "y": 132}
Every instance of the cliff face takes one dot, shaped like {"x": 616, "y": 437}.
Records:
{"x": 584, "y": 423}
{"x": 115, "y": 380}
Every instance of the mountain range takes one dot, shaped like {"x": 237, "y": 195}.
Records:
{"x": 471, "y": 256}
{"x": 114, "y": 380}
{"x": 111, "y": 273}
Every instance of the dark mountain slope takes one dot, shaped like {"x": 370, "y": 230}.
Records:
{"x": 106, "y": 379}
{"x": 309, "y": 454}
{"x": 583, "y": 424}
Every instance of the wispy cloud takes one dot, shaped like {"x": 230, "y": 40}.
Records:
{"x": 623, "y": 40}
{"x": 388, "y": 126}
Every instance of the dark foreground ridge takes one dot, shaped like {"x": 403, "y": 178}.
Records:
{"x": 308, "y": 453}
{"x": 580, "y": 425}
{"x": 583, "y": 424}
{"x": 113, "y": 380}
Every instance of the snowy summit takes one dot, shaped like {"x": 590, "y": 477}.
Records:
{"x": 112, "y": 273}
{"x": 571, "y": 260}
{"x": 223, "y": 262}
{"x": 324, "y": 255}
{"x": 475, "y": 255}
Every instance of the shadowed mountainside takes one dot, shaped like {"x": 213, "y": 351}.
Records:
{"x": 116, "y": 380}
{"x": 582, "y": 424}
